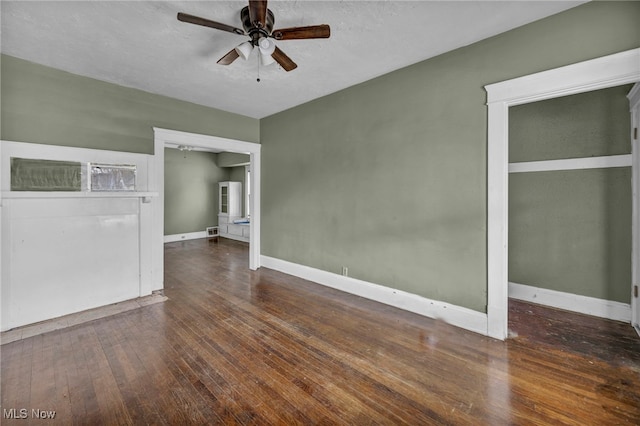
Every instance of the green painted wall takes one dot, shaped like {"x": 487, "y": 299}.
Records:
{"x": 389, "y": 177}
{"x": 44, "y": 105}
{"x": 191, "y": 191}
{"x": 232, "y": 159}
{"x": 570, "y": 231}
{"x": 49, "y": 106}
{"x": 585, "y": 125}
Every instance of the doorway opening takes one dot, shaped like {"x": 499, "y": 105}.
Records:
{"x": 570, "y": 203}
{"x": 164, "y": 138}
{"x": 613, "y": 70}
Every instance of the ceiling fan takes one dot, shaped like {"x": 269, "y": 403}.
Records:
{"x": 258, "y": 22}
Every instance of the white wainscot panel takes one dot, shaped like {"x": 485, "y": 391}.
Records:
{"x": 68, "y": 255}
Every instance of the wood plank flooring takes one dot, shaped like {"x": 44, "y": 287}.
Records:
{"x": 233, "y": 346}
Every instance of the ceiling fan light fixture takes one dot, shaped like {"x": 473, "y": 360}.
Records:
{"x": 266, "y": 59}
{"x": 257, "y": 21}
{"x": 244, "y": 50}
{"x": 267, "y": 46}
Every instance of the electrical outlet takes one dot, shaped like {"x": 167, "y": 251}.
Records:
{"x": 345, "y": 271}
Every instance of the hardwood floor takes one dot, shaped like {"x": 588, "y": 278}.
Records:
{"x": 233, "y": 346}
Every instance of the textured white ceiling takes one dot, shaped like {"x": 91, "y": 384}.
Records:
{"x": 141, "y": 44}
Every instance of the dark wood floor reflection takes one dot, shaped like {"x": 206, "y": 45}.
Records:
{"x": 232, "y": 346}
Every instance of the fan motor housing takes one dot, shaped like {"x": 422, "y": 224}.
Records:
{"x": 255, "y": 32}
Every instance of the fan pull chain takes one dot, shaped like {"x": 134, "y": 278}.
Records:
{"x": 258, "y": 68}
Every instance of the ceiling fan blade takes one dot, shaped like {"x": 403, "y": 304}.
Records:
{"x": 229, "y": 57}
{"x": 258, "y": 12}
{"x": 298, "y": 33}
{"x": 184, "y": 17}
{"x": 284, "y": 61}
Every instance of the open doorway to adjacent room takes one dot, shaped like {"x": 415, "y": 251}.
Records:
{"x": 222, "y": 155}
{"x": 601, "y": 73}
{"x": 570, "y": 217}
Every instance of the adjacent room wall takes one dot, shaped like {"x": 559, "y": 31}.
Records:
{"x": 191, "y": 191}
{"x": 570, "y": 231}
{"x": 390, "y": 175}
{"x": 49, "y": 106}
{"x": 588, "y": 124}
{"x": 233, "y": 159}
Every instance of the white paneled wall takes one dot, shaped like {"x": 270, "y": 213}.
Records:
{"x": 65, "y": 252}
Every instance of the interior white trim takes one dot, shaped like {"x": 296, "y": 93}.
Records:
{"x": 572, "y": 164}
{"x": 608, "y": 71}
{"x": 146, "y": 196}
{"x": 185, "y": 237}
{"x": 166, "y": 138}
{"x": 451, "y": 314}
{"x": 634, "y": 110}
{"x": 233, "y": 237}
{"x": 634, "y": 98}
{"x": 572, "y": 302}
{"x": 2, "y": 238}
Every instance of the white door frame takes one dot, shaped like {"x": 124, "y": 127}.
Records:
{"x": 172, "y": 138}
{"x": 608, "y": 71}
{"x": 634, "y": 108}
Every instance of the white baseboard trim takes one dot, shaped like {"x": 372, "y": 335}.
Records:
{"x": 184, "y": 237}
{"x": 235, "y": 237}
{"x": 572, "y": 302}
{"x": 451, "y": 314}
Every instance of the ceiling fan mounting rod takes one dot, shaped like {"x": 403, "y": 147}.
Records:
{"x": 256, "y": 34}
{"x": 264, "y": 27}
